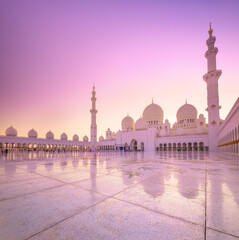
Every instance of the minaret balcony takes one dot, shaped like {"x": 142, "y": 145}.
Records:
{"x": 211, "y": 51}
{"x": 93, "y": 111}
{"x": 212, "y": 74}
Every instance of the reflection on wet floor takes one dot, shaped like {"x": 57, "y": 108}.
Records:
{"x": 112, "y": 195}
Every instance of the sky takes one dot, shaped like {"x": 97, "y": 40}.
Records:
{"x": 52, "y": 51}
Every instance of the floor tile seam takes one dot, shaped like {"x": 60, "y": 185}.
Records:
{"x": 50, "y": 177}
{"x": 102, "y": 193}
{"x": 88, "y": 190}
{"x": 25, "y": 160}
{"x": 102, "y": 175}
{"x": 205, "y": 211}
{"x": 31, "y": 193}
{"x": 216, "y": 230}
{"x": 69, "y": 217}
{"x": 66, "y": 173}
{"x": 19, "y": 180}
{"x": 62, "y": 174}
{"x": 223, "y": 194}
{"x": 173, "y": 185}
{"x": 140, "y": 183}
{"x": 158, "y": 212}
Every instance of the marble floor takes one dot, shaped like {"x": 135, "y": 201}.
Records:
{"x": 109, "y": 195}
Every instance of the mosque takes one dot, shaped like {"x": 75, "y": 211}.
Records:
{"x": 151, "y": 132}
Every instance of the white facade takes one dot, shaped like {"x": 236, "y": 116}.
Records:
{"x": 151, "y": 132}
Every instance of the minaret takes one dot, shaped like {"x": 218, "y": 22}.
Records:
{"x": 93, "y": 125}
{"x": 211, "y": 78}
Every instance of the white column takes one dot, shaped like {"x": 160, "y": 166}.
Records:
{"x": 211, "y": 78}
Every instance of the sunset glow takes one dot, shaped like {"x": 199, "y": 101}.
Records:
{"x": 53, "y": 51}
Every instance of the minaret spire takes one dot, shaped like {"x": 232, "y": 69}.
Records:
{"x": 93, "y": 126}
{"x": 211, "y": 78}
{"x": 210, "y": 30}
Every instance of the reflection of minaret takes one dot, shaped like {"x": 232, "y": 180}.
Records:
{"x": 93, "y": 172}
{"x": 93, "y": 125}
{"x": 211, "y": 78}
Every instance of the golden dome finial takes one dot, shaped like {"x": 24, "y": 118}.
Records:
{"x": 127, "y": 113}
{"x": 93, "y": 86}
{"x": 186, "y": 102}
{"x": 152, "y": 100}
{"x": 210, "y": 30}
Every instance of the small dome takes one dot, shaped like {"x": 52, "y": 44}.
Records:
{"x": 32, "y": 133}
{"x": 201, "y": 116}
{"x": 127, "y": 124}
{"x": 141, "y": 124}
{"x": 75, "y": 137}
{"x": 153, "y": 112}
{"x": 11, "y": 132}
{"x": 85, "y": 139}
{"x": 63, "y": 136}
{"x": 101, "y": 138}
{"x": 187, "y": 111}
{"x": 50, "y": 135}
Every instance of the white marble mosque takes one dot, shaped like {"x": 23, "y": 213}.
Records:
{"x": 152, "y": 131}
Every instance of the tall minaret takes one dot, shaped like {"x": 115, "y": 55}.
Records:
{"x": 93, "y": 126}
{"x": 211, "y": 78}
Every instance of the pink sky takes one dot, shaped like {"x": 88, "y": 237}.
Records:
{"x": 52, "y": 52}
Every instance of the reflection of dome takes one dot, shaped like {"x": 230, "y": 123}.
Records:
{"x": 11, "y": 131}
{"x": 101, "y": 138}
{"x": 141, "y": 124}
{"x": 127, "y": 124}
{"x": 85, "y": 138}
{"x": 63, "y": 136}
{"x": 75, "y": 137}
{"x": 32, "y": 133}
{"x": 153, "y": 112}
{"x": 187, "y": 111}
{"x": 49, "y": 135}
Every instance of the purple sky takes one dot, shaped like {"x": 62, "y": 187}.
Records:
{"x": 52, "y": 52}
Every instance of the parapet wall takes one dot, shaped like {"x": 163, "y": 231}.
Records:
{"x": 228, "y": 135}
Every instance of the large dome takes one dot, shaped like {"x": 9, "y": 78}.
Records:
{"x": 127, "y": 124}
{"x": 75, "y": 138}
{"x": 63, "y": 136}
{"x": 101, "y": 138}
{"x": 187, "y": 111}
{"x": 50, "y": 135}
{"x": 32, "y": 133}
{"x": 153, "y": 112}
{"x": 141, "y": 124}
{"x": 11, "y": 132}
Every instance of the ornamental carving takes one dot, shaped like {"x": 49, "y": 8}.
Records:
{"x": 213, "y": 123}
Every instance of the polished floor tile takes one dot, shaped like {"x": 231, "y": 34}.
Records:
{"x": 27, "y": 215}
{"x": 114, "y": 219}
{"x": 114, "y": 195}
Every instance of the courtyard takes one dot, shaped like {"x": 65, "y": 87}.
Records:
{"x": 118, "y": 195}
